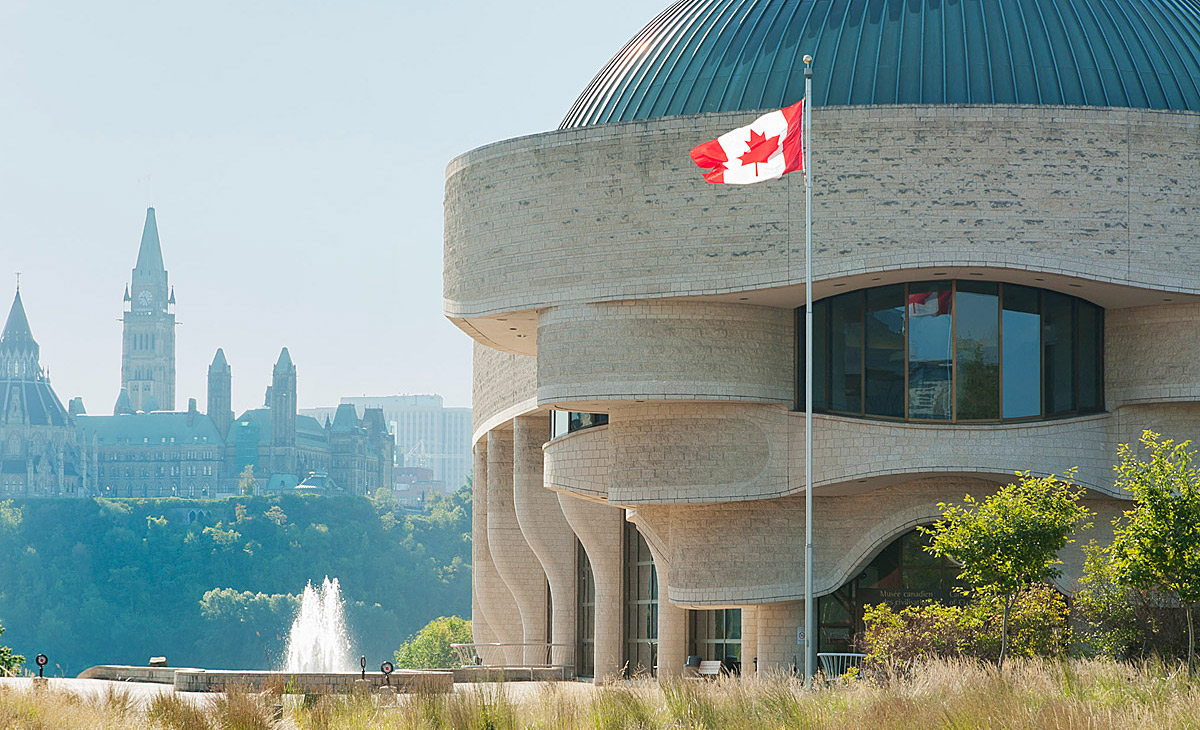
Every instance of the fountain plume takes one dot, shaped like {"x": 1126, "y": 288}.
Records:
{"x": 318, "y": 641}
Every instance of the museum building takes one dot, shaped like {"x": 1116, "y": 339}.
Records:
{"x": 1006, "y": 260}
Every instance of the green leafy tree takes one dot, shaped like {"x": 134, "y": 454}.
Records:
{"x": 1011, "y": 539}
{"x": 246, "y": 481}
{"x": 1121, "y": 621}
{"x": 1157, "y": 543}
{"x": 276, "y": 515}
{"x": 383, "y": 499}
{"x": 430, "y": 647}
{"x": 11, "y": 663}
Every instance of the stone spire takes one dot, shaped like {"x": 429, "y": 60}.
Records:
{"x": 220, "y": 383}
{"x": 150, "y": 258}
{"x": 19, "y": 352}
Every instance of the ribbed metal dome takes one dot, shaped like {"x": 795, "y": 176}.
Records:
{"x": 726, "y": 55}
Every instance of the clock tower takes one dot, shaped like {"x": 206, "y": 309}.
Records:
{"x": 148, "y": 347}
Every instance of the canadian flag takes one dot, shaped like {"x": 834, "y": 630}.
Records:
{"x": 767, "y": 148}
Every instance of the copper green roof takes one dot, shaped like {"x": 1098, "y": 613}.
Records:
{"x": 702, "y": 56}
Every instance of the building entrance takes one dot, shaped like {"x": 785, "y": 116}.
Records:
{"x": 903, "y": 574}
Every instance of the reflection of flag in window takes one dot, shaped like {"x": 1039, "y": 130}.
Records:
{"x": 929, "y": 303}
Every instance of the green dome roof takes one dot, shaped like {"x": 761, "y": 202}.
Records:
{"x": 726, "y": 55}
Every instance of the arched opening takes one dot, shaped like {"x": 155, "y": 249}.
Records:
{"x": 902, "y": 574}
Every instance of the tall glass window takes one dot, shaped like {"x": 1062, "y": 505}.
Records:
{"x": 641, "y": 605}
{"x": 977, "y": 350}
{"x": 1022, "y": 378}
{"x": 1058, "y": 353}
{"x": 716, "y": 635}
{"x": 585, "y": 613}
{"x": 885, "y": 351}
{"x": 930, "y": 351}
{"x": 955, "y": 351}
{"x": 846, "y": 348}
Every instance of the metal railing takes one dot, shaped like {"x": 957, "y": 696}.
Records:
{"x": 515, "y": 655}
{"x": 835, "y": 664}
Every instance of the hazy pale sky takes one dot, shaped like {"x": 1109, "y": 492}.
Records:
{"x": 295, "y": 154}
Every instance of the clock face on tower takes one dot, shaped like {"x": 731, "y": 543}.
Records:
{"x": 145, "y": 298}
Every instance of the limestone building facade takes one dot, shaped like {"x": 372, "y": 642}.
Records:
{"x": 1006, "y": 227}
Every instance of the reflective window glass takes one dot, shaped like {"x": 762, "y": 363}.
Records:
{"x": 930, "y": 356}
{"x": 1022, "y": 324}
{"x": 820, "y": 355}
{"x": 966, "y": 350}
{"x": 977, "y": 349}
{"x": 1091, "y": 353}
{"x": 885, "y": 351}
{"x": 1058, "y": 352}
{"x": 845, "y": 341}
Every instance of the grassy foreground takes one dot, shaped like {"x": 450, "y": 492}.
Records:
{"x": 1078, "y": 694}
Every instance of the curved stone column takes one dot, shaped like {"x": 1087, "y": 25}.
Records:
{"x": 672, "y": 620}
{"x": 599, "y": 529}
{"x": 545, "y": 529}
{"x": 480, "y": 630}
{"x": 514, "y": 560}
{"x": 501, "y": 619}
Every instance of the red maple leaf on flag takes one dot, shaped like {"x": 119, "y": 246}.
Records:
{"x": 761, "y": 147}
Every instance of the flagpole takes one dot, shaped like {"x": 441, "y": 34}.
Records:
{"x": 810, "y": 638}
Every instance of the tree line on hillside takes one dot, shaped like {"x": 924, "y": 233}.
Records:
{"x": 215, "y": 583}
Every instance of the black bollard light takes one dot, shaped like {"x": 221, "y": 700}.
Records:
{"x": 42, "y": 661}
{"x": 387, "y": 670}
{"x": 362, "y": 662}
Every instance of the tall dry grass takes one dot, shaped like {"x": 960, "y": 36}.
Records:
{"x": 1029, "y": 695}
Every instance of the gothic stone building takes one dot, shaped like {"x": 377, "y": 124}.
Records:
{"x": 38, "y": 452}
{"x": 147, "y": 449}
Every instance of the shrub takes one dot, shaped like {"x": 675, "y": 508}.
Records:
{"x": 1037, "y": 627}
{"x": 430, "y": 647}
{"x": 9, "y": 663}
{"x": 1124, "y": 622}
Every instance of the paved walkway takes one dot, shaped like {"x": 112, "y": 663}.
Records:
{"x": 140, "y": 692}
{"x": 144, "y": 692}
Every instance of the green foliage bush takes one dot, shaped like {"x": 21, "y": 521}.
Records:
{"x": 91, "y": 581}
{"x": 430, "y": 647}
{"x": 10, "y": 663}
{"x": 1037, "y": 627}
{"x": 1123, "y": 622}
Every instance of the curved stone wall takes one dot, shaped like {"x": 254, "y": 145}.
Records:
{"x": 761, "y": 559}
{"x": 665, "y": 350}
{"x": 619, "y": 211}
{"x": 504, "y": 386}
{"x": 697, "y": 452}
{"x": 1151, "y": 354}
{"x": 579, "y": 463}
